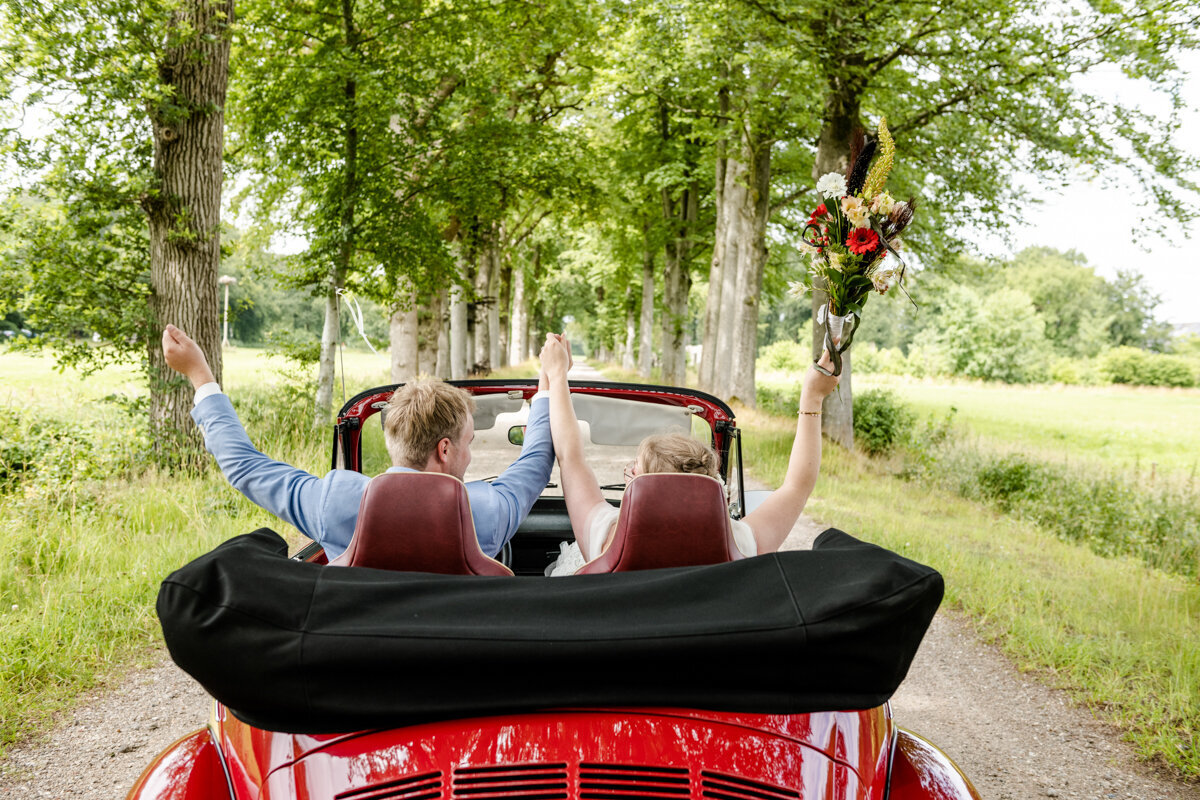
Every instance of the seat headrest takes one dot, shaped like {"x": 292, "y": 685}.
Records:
{"x": 417, "y": 522}
{"x": 669, "y": 520}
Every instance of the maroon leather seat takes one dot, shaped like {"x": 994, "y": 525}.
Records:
{"x": 669, "y": 520}
{"x": 417, "y": 522}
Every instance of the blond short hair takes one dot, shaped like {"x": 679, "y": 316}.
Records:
{"x": 677, "y": 452}
{"x": 420, "y": 414}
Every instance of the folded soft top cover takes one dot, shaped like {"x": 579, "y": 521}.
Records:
{"x": 299, "y": 647}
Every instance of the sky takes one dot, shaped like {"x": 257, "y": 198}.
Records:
{"x": 1100, "y": 221}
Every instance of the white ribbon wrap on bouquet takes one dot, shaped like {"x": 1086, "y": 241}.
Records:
{"x": 839, "y": 333}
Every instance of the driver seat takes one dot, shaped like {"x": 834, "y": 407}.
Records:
{"x": 417, "y": 522}
{"x": 669, "y": 519}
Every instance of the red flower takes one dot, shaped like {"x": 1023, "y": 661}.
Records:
{"x": 819, "y": 211}
{"x": 862, "y": 241}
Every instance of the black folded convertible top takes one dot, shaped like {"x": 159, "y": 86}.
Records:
{"x": 298, "y": 647}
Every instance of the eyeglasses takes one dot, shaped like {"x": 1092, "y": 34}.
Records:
{"x": 631, "y": 471}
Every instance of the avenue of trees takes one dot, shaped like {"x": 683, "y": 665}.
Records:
{"x": 481, "y": 170}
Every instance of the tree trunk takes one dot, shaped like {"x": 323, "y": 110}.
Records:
{"x": 842, "y": 115}
{"x": 734, "y": 197}
{"x": 185, "y": 218}
{"x": 668, "y": 325}
{"x": 326, "y": 367}
{"x": 322, "y": 405}
{"x": 429, "y": 325}
{"x": 493, "y": 308}
{"x": 402, "y": 334}
{"x": 483, "y": 281}
{"x": 646, "y": 323}
{"x": 504, "y": 308}
{"x": 519, "y": 319}
{"x": 459, "y": 368}
{"x": 629, "y": 351}
{"x": 751, "y": 260}
{"x": 441, "y": 368}
{"x": 713, "y": 307}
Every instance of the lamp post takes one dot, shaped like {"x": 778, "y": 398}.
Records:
{"x": 226, "y": 280}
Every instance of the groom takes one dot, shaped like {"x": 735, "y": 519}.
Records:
{"x": 428, "y": 428}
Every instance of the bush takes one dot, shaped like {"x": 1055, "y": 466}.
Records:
{"x": 1143, "y": 368}
{"x": 778, "y": 397}
{"x": 880, "y": 421}
{"x": 784, "y": 356}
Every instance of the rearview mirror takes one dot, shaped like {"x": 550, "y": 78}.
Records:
{"x": 516, "y": 435}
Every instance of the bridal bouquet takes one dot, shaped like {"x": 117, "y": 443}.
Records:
{"x": 850, "y": 236}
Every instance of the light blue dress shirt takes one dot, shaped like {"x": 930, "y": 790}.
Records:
{"x": 326, "y": 509}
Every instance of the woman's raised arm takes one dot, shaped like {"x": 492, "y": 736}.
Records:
{"x": 581, "y": 490}
{"x": 773, "y": 520}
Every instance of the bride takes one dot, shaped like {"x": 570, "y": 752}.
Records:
{"x": 593, "y": 520}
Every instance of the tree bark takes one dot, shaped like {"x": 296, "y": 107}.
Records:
{"x": 629, "y": 351}
{"x": 504, "y": 308}
{"x": 713, "y": 308}
{"x": 752, "y": 258}
{"x": 322, "y": 405}
{"x": 441, "y": 367}
{"x": 403, "y": 331}
{"x": 734, "y": 197}
{"x": 483, "y": 281}
{"x": 842, "y": 115}
{"x": 519, "y": 319}
{"x": 493, "y": 308}
{"x": 429, "y": 326}
{"x": 458, "y": 334}
{"x": 646, "y": 321}
{"x": 184, "y": 217}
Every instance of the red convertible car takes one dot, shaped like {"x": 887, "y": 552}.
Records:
{"x": 760, "y": 679}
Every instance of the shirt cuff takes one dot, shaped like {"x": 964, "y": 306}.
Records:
{"x": 206, "y": 391}
{"x": 538, "y": 394}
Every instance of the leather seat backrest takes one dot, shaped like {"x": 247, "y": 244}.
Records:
{"x": 669, "y": 520}
{"x": 417, "y": 522}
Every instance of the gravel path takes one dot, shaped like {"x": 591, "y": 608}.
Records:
{"x": 1014, "y": 737}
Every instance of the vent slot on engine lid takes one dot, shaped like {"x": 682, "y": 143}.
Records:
{"x": 427, "y": 786}
{"x": 629, "y": 782}
{"x": 716, "y": 786}
{"x": 525, "y": 781}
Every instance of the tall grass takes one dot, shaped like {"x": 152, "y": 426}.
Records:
{"x": 87, "y": 531}
{"x": 1123, "y": 638}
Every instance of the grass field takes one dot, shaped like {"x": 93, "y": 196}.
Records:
{"x": 1115, "y": 427}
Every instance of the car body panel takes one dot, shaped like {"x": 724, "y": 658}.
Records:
{"x": 189, "y": 769}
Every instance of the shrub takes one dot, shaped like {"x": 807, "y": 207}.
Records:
{"x": 778, "y": 397}
{"x": 880, "y": 421}
{"x": 784, "y": 356}
{"x": 1140, "y": 367}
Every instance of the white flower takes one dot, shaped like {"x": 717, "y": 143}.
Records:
{"x": 880, "y": 279}
{"x": 832, "y": 185}
{"x": 835, "y": 261}
{"x": 797, "y": 289}
{"x": 859, "y": 216}
{"x": 805, "y": 247}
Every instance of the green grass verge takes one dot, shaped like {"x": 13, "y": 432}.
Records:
{"x": 1135, "y": 429}
{"x": 1122, "y": 638}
